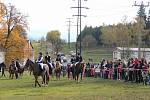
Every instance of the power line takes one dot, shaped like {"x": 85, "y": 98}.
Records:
{"x": 79, "y": 15}
{"x": 69, "y": 26}
{"x": 140, "y": 32}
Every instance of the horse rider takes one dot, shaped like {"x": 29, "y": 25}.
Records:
{"x": 40, "y": 60}
{"x": 48, "y": 59}
{"x": 73, "y": 59}
{"x": 13, "y": 65}
{"x": 78, "y": 58}
{"x": 58, "y": 58}
{"x": 18, "y": 65}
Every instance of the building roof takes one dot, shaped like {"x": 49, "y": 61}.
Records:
{"x": 132, "y": 49}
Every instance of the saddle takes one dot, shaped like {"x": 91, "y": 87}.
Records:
{"x": 40, "y": 67}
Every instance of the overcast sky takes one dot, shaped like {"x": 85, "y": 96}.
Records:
{"x": 47, "y": 15}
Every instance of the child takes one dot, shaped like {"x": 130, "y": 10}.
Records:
{"x": 144, "y": 75}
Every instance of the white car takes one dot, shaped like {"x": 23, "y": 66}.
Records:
{"x": 64, "y": 59}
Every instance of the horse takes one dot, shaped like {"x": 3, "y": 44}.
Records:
{"x": 69, "y": 70}
{"x": 72, "y": 69}
{"x": 35, "y": 68}
{"x": 2, "y": 68}
{"x": 57, "y": 70}
{"x": 13, "y": 70}
{"x": 50, "y": 67}
{"x": 20, "y": 68}
{"x": 79, "y": 68}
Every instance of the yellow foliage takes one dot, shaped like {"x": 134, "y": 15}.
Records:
{"x": 15, "y": 44}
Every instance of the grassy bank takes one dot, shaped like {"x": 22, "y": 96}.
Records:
{"x": 88, "y": 89}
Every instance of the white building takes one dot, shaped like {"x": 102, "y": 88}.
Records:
{"x": 123, "y": 52}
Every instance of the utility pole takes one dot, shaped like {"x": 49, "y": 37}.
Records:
{"x": 69, "y": 26}
{"x": 140, "y": 32}
{"x": 79, "y": 15}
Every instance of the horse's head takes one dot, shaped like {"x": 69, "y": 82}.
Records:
{"x": 27, "y": 64}
{"x": 81, "y": 65}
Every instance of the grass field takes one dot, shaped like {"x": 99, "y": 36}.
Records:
{"x": 88, "y": 89}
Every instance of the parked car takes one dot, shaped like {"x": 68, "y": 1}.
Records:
{"x": 64, "y": 59}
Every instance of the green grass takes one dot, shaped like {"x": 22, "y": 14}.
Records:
{"x": 88, "y": 89}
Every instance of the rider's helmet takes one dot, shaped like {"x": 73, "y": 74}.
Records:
{"x": 13, "y": 60}
{"x": 40, "y": 53}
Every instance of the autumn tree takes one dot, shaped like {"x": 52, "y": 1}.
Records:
{"x": 13, "y": 19}
{"x": 54, "y": 38}
{"x": 12, "y": 31}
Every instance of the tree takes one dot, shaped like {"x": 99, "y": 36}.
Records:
{"x": 94, "y": 31}
{"x": 54, "y": 38}
{"x": 12, "y": 32}
{"x": 109, "y": 35}
{"x": 89, "y": 41}
{"x": 59, "y": 45}
{"x": 13, "y": 19}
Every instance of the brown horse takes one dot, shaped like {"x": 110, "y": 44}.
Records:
{"x": 79, "y": 69}
{"x": 58, "y": 70}
{"x": 35, "y": 68}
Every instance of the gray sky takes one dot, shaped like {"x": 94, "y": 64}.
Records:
{"x": 47, "y": 15}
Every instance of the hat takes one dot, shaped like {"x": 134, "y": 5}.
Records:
{"x": 40, "y": 53}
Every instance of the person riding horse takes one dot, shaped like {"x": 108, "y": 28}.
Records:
{"x": 79, "y": 58}
{"x": 40, "y": 61}
{"x": 73, "y": 59}
{"x": 48, "y": 60}
{"x": 58, "y": 58}
{"x": 13, "y": 65}
{"x": 18, "y": 65}
{"x": 13, "y": 69}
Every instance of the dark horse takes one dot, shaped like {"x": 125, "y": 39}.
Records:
{"x": 20, "y": 68}
{"x": 77, "y": 70}
{"x": 13, "y": 70}
{"x": 2, "y": 68}
{"x": 35, "y": 68}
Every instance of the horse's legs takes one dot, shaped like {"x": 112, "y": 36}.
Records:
{"x": 3, "y": 72}
{"x": 78, "y": 78}
{"x": 81, "y": 75}
{"x": 59, "y": 75}
{"x": 36, "y": 81}
{"x": 16, "y": 75}
{"x": 12, "y": 76}
{"x": 9, "y": 75}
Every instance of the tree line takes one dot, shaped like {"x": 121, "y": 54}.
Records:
{"x": 121, "y": 34}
